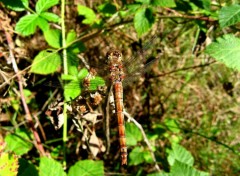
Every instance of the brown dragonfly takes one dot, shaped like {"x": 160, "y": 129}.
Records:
{"x": 121, "y": 73}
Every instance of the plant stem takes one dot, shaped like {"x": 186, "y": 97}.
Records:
{"x": 30, "y": 123}
{"x": 65, "y": 138}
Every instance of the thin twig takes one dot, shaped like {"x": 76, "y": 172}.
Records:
{"x": 145, "y": 139}
{"x": 107, "y": 122}
{"x": 29, "y": 119}
{"x": 184, "y": 68}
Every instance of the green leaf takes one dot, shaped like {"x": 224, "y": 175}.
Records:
{"x": 72, "y": 89}
{"x": 143, "y": 1}
{"x": 139, "y": 155}
{"x": 88, "y": 13}
{"x": 8, "y": 164}
{"x": 108, "y": 9}
{"x": 53, "y": 37}
{"x": 131, "y": 9}
{"x": 159, "y": 174}
{"x": 136, "y": 156}
{"x": 46, "y": 62}
{"x": 43, "y": 24}
{"x": 49, "y": 166}
{"x": 74, "y": 86}
{"x": 229, "y": 15}
{"x": 17, "y": 5}
{"x": 181, "y": 154}
{"x": 71, "y": 36}
{"x": 172, "y": 125}
{"x": 96, "y": 82}
{"x": 203, "y": 4}
{"x": 143, "y": 20}
{"x": 72, "y": 62}
{"x": 83, "y": 73}
{"x": 133, "y": 134}
{"x": 87, "y": 167}
{"x": 43, "y": 5}
{"x": 26, "y": 168}
{"x": 164, "y": 3}
{"x": 227, "y": 50}
{"x": 182, "y": 169}
{"x": 17, "y": 142}
{"x": 27, "y": 94}
{"x": 50, "y": 16}
{"x": 27, "y": 24}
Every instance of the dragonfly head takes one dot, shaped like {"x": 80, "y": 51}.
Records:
{"x": 114, "y": 57}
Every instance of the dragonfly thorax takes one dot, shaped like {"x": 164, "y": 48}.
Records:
{"x": 116, "y": 73}
{"x": 114, "y": 59}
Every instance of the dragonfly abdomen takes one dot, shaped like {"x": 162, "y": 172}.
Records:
{"x": 118, "y": 96}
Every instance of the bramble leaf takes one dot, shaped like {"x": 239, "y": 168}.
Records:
{"x": 107, "y": 9}
{"x": 164, "y": 3}
{"x": 229, "y": 15}
{"x": 43, "y": 5}
{"x": 53, "y": 37}
{"x": 182, "y": 169}
{"x": 49, "y": 166}
{"x": 42, "y": 23}
{"x": 46, "y": 62}
{"x": 88, "y": 13}
{"x": 87, "y": 167}
{"x": 26, "y": 168}
{"x": 181, "y": 154}
{"x": 143, "y": 20}
{"x": 27, "y": 24}
{"x": 50, "y": 16}
{"x": 133, "y": 134}
{"x": 227, "y": 50}
{"x": 16, "y": 143}
{"x": 17, "y": 5}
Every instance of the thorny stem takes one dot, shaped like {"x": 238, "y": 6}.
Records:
{"x": 29, "y": 119}
{"x": 65, "y": 137}
{"x": 145, "y": 139}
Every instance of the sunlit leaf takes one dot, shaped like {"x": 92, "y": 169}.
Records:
{"x": 71, "y": 36}
{"x": 88, "y": 13}
{"x": 133, "y": 134}
{"x": 50, "y": 16}
{"x": 43, "y": 24}
{"x": 181, "y": 154}
{"x": 182, "y": 169}
{"x": 8, "y": 164}
{"x": 87, "y": 167}
{"x": 227, "y": 50}
{"x": 27, "y": 24}
{"x": 49, "y": 166}
{"x": 71, "y": 91}
{"x": 229, "y": 15}
{"x": 43, "y": 5}
{"x": 164, "y": 3}
{"x": 143, "y": 20}
{"x": 204, "y": 4}
{"x": 53, "y": 37}
{"x": 46, "y": 62}
{"x": 107, "y": 9}
{"x": 136, "y": 156}
{"x": 18, "y": 142}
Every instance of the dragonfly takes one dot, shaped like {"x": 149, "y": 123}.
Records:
{"x": 121, "y": 73}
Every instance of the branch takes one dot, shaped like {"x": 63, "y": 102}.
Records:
{"x": 145, "y": 139}
{"x": 29, "y": 119}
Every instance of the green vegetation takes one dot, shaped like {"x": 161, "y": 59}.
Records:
{"x": 186, "y": 107}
